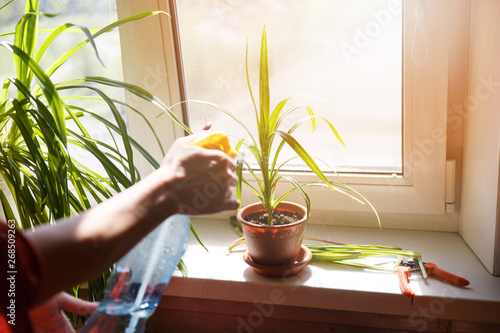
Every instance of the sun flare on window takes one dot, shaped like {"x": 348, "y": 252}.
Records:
{"x": 341, "y": 58}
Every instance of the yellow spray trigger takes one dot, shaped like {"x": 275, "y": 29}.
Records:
{"x": 215, "y": 140}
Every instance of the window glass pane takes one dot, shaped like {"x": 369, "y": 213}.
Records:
{"x": 341, "y": 57}
{"x": 93, "y": 15}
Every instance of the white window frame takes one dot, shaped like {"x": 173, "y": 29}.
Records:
{"x": 415, "y": 199}
{"x": 148, "y": 58}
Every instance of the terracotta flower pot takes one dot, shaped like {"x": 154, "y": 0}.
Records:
{"x": 273, "y": 245}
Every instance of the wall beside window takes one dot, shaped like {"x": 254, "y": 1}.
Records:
{"x": 481, "y": 180}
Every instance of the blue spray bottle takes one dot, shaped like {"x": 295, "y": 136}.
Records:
{"x": 140, "y": 278}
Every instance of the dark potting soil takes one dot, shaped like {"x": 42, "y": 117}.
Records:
{"x": 280, "y": 217}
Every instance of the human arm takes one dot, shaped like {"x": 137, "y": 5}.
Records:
{"x": 190, "y": 180}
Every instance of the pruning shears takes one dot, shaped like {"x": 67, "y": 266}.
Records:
{"x": 412, "y": 264}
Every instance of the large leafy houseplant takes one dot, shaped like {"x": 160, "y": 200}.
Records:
{"x": 265, "y": 147}
{"x": 45, "y": 180}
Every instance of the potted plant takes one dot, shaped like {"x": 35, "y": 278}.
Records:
{"x": 36, "y": 163}
{"x": 272, "y": 228}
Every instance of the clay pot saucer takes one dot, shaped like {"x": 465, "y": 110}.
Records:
{"x": 305, "y": 255}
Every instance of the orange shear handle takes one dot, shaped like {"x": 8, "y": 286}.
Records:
{"x": 432, "y": 269}
{"x": 403, "y": 275}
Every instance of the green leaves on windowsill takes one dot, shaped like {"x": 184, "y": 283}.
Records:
{"x": 388, "y": 257}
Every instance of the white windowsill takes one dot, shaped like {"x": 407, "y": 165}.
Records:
{"x": 218, "y": 276}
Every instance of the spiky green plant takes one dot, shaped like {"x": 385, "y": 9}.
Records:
{"x": 269, "y": 130}
{"x": 35, "y": 161}
{"x": 46, "y": 182}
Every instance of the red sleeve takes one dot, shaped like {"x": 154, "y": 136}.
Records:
{"x": 19, "y": 279}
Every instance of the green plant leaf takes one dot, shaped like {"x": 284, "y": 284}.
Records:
{"x": 337, "y": 256}
{"x": 225, "y": 111}
{"x": 25, "y": 39}
{"x": 304, "y": 155}
{"x": 312, "y": 118}
{"x": 250, "y": 86}
{"x": 50, "y": 92}
{"x": 117, "y": 174}
{"x": 239, "y": 174}
{"x": 273, "y": 121}
{"x": 264, "y": 96}
{"x": 106, "y": 29}
{"x": 5, "y": 5}
{"x": 142, "y": 93}
{"x": 56, "y": 32}
{"x": 298, "y": 187}
{"x": 47, "y": 179}
{"x": 286, "y": 113}
{"x": 9, "y": 213}
{"x": 151, "y": 160}
{"x": 255, "y": 191}
{"x": 195, "y": 234}
{"x": 122, "y": 129}
{"x": 182, "y": 268}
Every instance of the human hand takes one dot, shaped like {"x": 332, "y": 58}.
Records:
{"x": 49, "y": 316}
{"x": 201, "y": 178}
